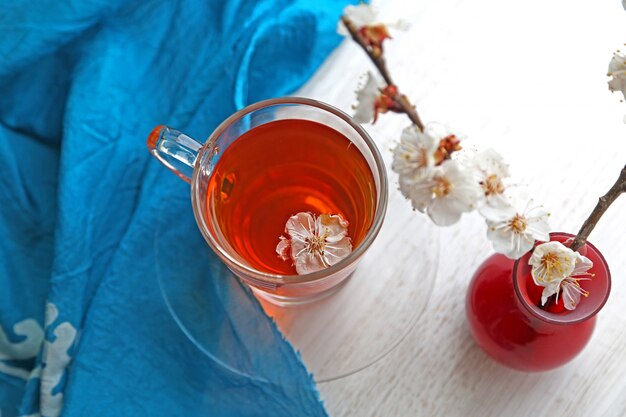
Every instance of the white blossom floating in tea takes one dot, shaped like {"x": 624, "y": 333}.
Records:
{"x": 314, "y": 242}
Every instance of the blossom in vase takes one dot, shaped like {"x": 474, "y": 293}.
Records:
{"x": 314, "y": 242}
{"x": 570, "y": 286}
{"x": 373, "y": 99}
{"x": 513, "y": 231}
{"x": 557, "y": 268}
{"x": 445, "y": 194}
{"x": 551, "y": 263}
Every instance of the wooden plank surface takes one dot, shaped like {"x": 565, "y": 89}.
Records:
{"x": 527, "y": 78}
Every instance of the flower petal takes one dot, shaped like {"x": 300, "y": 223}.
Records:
{"x": 464, "y": 192}
{"x": 421, "y": 195}
{"x": 436, "y": 130}
{"x": 366, "y": 98}
{"x": 308, "y": 262}
{"x": 364, "y": 15}
{"x": 283, "y": 248}
{"x": 538, "y": 226}
{"x": 583, "y": 264}
{"x": 335, "y": 252}
{"x": 360, "y": 15}
{"x": 333, "y": 226}
{"x": 549, "y": 291}
{"x": 560, "y": 265}
{"x": 415, "y": 153}
{"x": 617, "y": 70}
{"x": 617, "y": 64}
{"x": 443, "y": 213}
{"x": 571, "y": 294}
{"x": 499, "y": 211}
{"x": 512, "y": 245}
{"x": 300, "y": 226}
{"x": 522, "y": 244}
{"x": 491, "y": 162}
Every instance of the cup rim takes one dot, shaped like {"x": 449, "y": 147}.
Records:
{"x": 554, "y": 318}
{"x": 381, "y": 201}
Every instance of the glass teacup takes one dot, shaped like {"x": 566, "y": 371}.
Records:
{"x": 196, "y": 163}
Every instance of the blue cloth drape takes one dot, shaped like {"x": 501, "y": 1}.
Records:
{"x": 83, "y": 328}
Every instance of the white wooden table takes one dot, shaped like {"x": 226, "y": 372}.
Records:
{"x": 527, "y": 78}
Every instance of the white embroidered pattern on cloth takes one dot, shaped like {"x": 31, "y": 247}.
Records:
{"x": 55, "y": 357}
{"x": 23, "y": 350}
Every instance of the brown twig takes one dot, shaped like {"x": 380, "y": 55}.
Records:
{"x": 379, "y": 61}
{"x": 603, "y": 204}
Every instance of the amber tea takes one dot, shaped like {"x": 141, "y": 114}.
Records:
{"x": 278, "y": 169}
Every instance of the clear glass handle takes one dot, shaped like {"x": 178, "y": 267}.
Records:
{"x": 175, "y": 150}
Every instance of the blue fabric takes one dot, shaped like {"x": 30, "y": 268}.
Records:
{"x": 88, "y": 218}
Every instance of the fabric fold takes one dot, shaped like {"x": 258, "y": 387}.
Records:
{"x": 89, "y": 222}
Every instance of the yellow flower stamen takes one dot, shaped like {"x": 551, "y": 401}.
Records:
{"x": 551, "y": 266}
{"x": 317, "y": 243}
{"x": 518, "y": 223}
{"x": 442, "y": 187}
{"x": 492, "y": 185}
{"x": 582, "y": 292}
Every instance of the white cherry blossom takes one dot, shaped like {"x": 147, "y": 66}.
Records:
{"x": 366, "y": 100}
{"x": 557, "y": 268}
{"x": 365, "y": 15}
{"x": 361, "y": 15}
{"x": 414, "y": 156}
{"x": 491, "y": 172}
{"x": 314, "y": 242}
{"x": 571, "y": 293}
{"x": 551, "y": 262}
{"x": 513, "y": 231}
{"x": 445, "y": 194}
{"x": 617, "y": 70}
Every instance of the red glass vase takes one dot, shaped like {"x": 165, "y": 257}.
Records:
{"x": 508, "y": 322}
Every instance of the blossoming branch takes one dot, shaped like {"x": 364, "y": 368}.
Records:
{"x": 360, "y": 22}
{"x": 429, "y": 173}
{"x": 438, "y": 183}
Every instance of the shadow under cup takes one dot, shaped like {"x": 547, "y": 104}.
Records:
{"x": 276, "y": 288}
